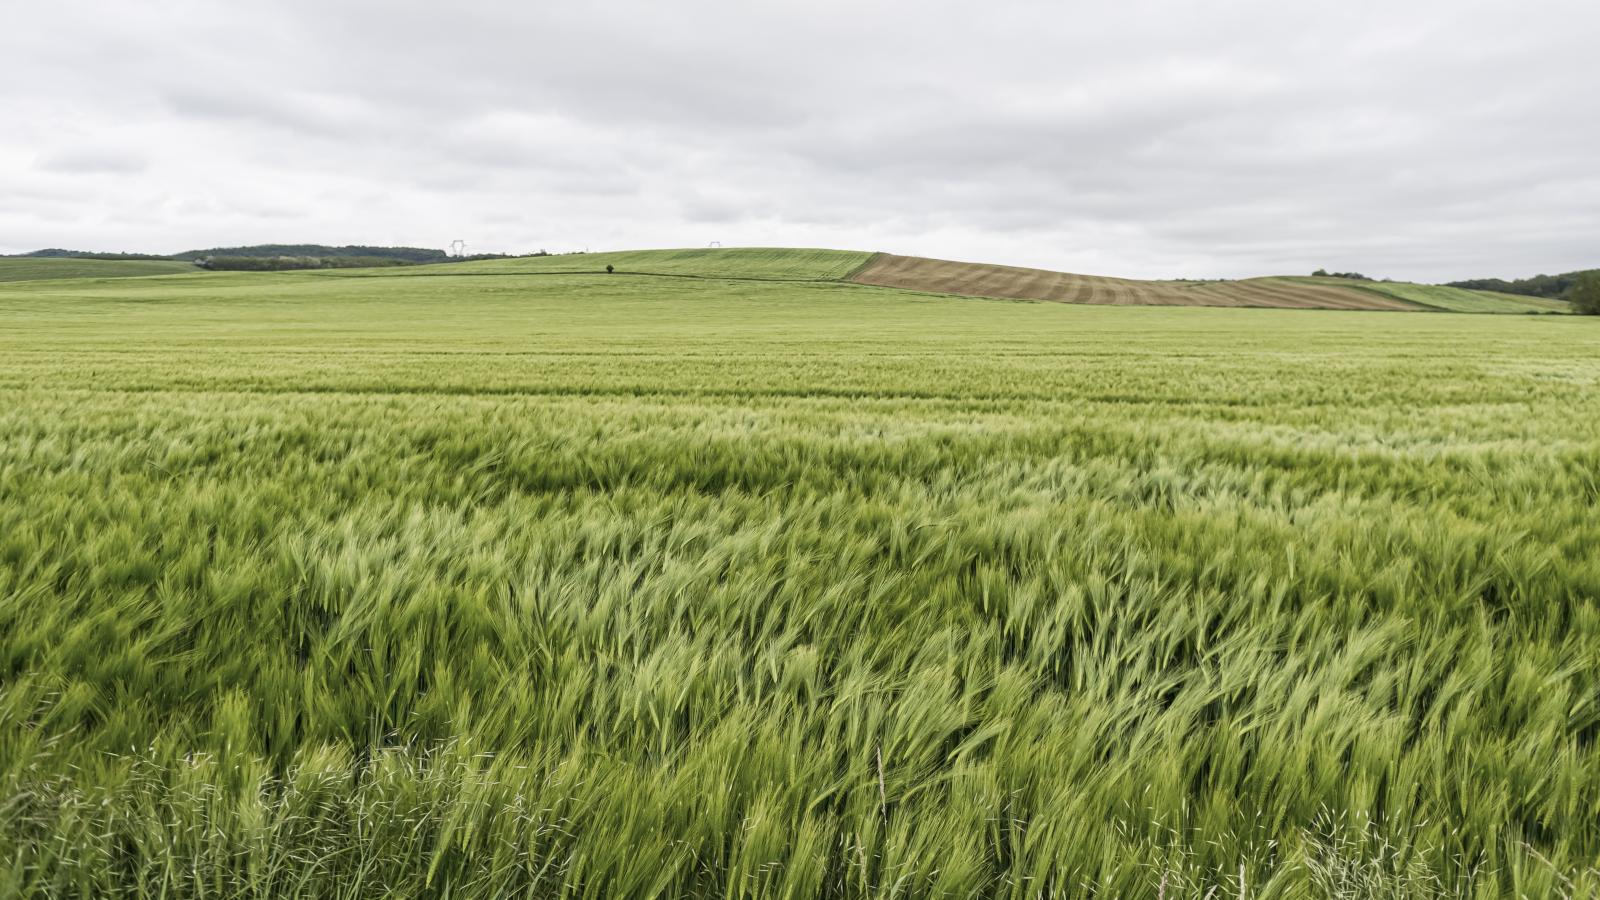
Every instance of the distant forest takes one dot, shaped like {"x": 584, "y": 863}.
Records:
{"x": 1553, "y": 286}
{"x": 277, "y": 257}
{"x": 321, "y": 251}
{"x": 283, "y": 263}
{"x": 58, "y": 253}
{"x": 403, "y": 254}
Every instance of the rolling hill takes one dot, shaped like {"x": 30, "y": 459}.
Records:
{"x": 1016, "y": 283}
{"x": 1451, "y": 299}
{"x": 51, "y": 268}
{"x": 887, "y": 270}
{"x": 935, "y": 276}
{"x": 406, "y": 254}
{"x": 765, "y": 263}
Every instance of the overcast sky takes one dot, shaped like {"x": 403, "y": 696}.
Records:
{"x": 1420, "y": 139}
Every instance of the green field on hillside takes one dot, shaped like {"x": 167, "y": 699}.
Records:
{"x": 31, "y": 269}
{"x": 321, "y": 585}
{"x": 734, "y": 262}
{"x": 1449, "y": 299}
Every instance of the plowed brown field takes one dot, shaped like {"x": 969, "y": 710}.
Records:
{"x": 1010, "y": 282}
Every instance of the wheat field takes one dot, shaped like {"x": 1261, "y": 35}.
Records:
{"x": 328, "y": 585}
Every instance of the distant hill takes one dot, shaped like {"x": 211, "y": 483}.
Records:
{"x": 755, "y": 263}
{"x": 1007, "y": 282}
{"x": 58, "y": 253}
{"x": 1342, "y": 291}
{"x": 1338, "y": 290}
{"x": 1452, "y": 299}
{"x": 1552, "y": 286}
{"x": 50, "y": 268}
{"x": 260, "y": 251}
{"x": 320, "y": 251}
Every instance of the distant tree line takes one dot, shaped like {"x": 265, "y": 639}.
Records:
{"x": 254, "y": 262}
{"x": 1553, "y": 286}
{"x": 1581, "y": 288}
{"x": 286, "y": 263}
{"x": 58, "y": 253}
{"x": 275, "y": 257}
{"x": 320, "y": 251}
{"x": 1585, "y": 294}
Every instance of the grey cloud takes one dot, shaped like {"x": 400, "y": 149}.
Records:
{"x": 305, "y": 112}
{"x": 1414, "y": 138}
{"x": 93, "y": 161}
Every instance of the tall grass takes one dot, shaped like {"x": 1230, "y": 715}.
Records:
{"x": 491, "y": 588}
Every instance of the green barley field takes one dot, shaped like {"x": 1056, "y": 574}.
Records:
{"x": 757, "y": 584}
{"x": 34, "y": 269}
